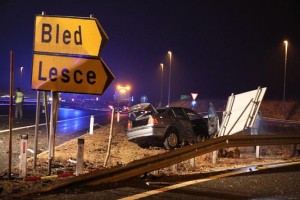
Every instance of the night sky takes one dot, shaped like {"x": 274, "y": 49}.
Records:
{"x": 218, "y": 47}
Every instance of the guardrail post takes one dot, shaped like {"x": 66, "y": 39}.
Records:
{"x": 214, "y": 157}
{"x": 80, "y": 155}
{"x": 257, "y": 151}
{"x": 175, "y": 168}
{"x": 92, "y": 124}
{"x": 192, "y": 163}
{"x": 23, "y": 156}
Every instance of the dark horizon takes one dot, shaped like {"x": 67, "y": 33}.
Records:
{"x": 218, "y": 48}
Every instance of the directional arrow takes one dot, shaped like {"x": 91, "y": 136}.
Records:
{"x": 70, "y": 74}
{"x": 68, "y": 35}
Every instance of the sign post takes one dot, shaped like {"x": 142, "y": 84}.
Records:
{"x": 194, "y": 102}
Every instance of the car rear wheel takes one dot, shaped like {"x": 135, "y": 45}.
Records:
{"x": 171, "y": 140}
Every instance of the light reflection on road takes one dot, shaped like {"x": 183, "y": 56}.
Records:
{"x": 68, "y": 113}
{"x": 69, "y": 121}
{"x": 73, "y": 120}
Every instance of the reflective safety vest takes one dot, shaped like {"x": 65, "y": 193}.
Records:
{"x": 19, "y": 97}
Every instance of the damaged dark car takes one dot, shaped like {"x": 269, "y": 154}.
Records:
{"x": 169, "y": 126}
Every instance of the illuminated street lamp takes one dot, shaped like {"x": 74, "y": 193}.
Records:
{"x": 170, "y": 55}
{"x": 21, "y": 71}
{"x": 284, "y": 81}
{"x": 161, "y": 89}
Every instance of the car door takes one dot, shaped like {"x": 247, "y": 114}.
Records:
{"x": 199, "y": 124}
{"x": 213, "y": 120}
{"x": 183, "y": 124}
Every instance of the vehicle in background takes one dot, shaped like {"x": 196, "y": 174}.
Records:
{"x": 71, "y": 100}
{"x": 121, "y": 107}
{"x": 82, "y": 101}
{"x": 169, "y": 126}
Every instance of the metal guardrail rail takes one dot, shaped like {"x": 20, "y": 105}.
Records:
{"x": 160, "y": 161}
{"x": 281, "y": 121}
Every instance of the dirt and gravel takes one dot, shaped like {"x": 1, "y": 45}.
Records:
{"x": 123, "y": 152}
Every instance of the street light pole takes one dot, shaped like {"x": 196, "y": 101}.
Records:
{"x": 161, "y": 89}
{"x": 284, "y": 81}
{"x": 21, "y": 71}
{"x": 170, "y": 54}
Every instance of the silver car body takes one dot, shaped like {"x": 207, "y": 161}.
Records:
{"x": 147, "y": 125}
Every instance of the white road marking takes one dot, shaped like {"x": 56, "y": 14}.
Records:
{"x": 180, "y": 185}
{"x": 32, "y": 126}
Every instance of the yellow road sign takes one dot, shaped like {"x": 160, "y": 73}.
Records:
{"x": 68, "y": 35}
{"x": 70, "y": 74}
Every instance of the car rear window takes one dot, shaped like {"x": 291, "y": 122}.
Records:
{"x": 142, "y": 109}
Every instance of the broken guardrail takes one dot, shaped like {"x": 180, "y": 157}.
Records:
{"x": 160, "y": 161}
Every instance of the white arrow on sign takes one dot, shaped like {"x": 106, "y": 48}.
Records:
{"x": 68, "y": 35}
{"x": 70, "y": 74}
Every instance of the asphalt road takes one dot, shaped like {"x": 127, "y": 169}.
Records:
{"x": 263, "y": 182}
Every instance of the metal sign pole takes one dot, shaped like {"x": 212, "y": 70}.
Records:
{"x": 46, "y": 114}
{"x": 37, "y": 122}
{"x": 11, "y": 115}
{"x": 51, "y": 135}
{"x": 53, "y": 119}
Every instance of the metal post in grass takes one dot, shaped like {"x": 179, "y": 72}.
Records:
{"x": 110, "y": 136}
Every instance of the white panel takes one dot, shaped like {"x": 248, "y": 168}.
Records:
{"x": 241, "y": 111}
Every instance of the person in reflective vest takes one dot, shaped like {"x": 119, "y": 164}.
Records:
{"x": 19, "y": 98}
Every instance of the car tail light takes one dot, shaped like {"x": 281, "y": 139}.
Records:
{"x": 152, "y": 121}
{"x": 129, "y": 126}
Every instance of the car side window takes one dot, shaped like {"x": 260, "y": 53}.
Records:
{"x": 179, "y": 113}
{"x": 192, "y": 115}
{"x": 171, "y": 113}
